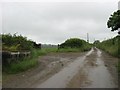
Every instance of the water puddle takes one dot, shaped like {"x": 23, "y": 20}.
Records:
{"x": 100, "y": 76}
{"x": 61, "y": 79}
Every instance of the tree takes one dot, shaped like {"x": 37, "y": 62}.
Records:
{"x": 114, "y": 21}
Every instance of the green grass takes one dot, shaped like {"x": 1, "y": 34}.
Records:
{"x": 21, "y": 66}
{"x": 69, "y": 50}
{"x": 81, "y": 49}
{"x": 27, "y": 63}
{"x": 49, "y": 50}
{"x": 111, "y": 46}
{"x": 73, "y": 49}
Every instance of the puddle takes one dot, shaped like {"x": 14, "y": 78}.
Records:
{"x": 100, "y": 76}
{"x": 61, "y": 79}
{"x": 89, "y": 52}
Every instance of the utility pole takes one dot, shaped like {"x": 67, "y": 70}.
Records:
{"x": 94, "y": 39}
{"x": 87, "y": 37}
{"x": 119, "y": 5}
{"x": 119, "y": 9}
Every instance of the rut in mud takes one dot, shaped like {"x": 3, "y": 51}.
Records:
{"x": 95, "y": 73}
{"x": 93, "y": 69}
{"x": 88, "y": 71}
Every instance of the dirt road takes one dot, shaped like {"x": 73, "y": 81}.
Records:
{"x": 93, "y": 69}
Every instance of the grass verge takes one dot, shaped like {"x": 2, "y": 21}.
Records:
{"x": 20, "y": 66}
{"x": 28, "y": 62}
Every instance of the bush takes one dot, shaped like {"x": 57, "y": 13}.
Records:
{"x": 74, "y": 45}
{"x": 15, "y": 43}
{"x": 112, "y": 46}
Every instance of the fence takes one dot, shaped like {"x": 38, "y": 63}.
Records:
{"x": 7, "y": 56}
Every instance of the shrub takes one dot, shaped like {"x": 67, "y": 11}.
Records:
{"x": 15, "y": 42}
{"x": 74, "y": 44}
{"x": 112, "y": 46}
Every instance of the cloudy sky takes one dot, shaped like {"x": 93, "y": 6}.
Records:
{"x": 55, "y": 21}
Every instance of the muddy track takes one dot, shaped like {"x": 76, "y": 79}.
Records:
{"x": 48, "y": 65}
{"x": 93, "y": 69}
{"x": 95, "y": 73}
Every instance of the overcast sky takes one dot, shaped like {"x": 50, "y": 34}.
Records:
{"x": 54, "y": 22}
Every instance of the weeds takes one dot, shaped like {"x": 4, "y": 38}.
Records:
{"x": 28, "y": 62}
{"x": 21, "y": 66}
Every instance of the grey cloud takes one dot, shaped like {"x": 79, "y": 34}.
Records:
{"x": 55, "y": 22}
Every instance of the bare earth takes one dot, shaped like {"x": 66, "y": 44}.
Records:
{"x": 93, "y": 69}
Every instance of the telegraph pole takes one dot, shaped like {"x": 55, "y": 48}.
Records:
{"x": 87, "y": 37}
{"x": 119, "y": 5}
{"x": 119, "y": 9}
{"x": 94, "y": 39}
